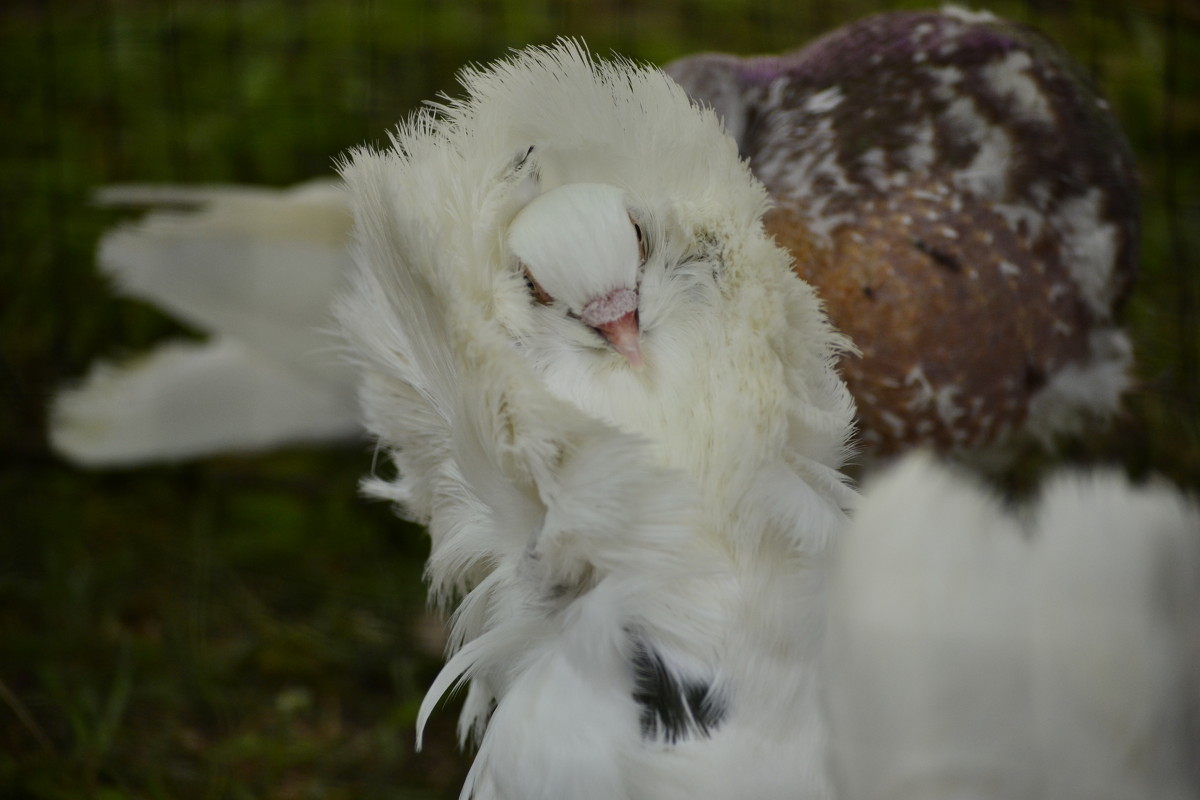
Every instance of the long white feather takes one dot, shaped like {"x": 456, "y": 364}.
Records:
{"x": 258, "y": 265}
{"x": 185, "y": 400}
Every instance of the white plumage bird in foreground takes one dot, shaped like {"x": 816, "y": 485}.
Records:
{"x": 614, "y": 406}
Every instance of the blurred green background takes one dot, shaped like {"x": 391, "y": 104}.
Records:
{"x": 249, "y": 626}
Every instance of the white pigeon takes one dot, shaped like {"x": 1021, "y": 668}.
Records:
{"x": 614, "y": 406}
{"x": 1051, "y": 653}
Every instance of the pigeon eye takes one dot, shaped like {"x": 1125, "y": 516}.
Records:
{"x": 521, "y": 158}
{"x": 539, "y": 295}
{"x": 637, "y": 229}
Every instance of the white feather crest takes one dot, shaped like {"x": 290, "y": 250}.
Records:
{"x": 443, "y": 195}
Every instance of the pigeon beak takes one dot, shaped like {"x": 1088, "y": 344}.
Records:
{"x": 615, "y": 317}
{"x": 622, "y": 334}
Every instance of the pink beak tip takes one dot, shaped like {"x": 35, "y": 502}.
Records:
{"x": 622, "y": 335}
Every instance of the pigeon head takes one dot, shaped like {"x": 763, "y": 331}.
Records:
{"x": 550, "y": 236}
{"x": 580, "y": 248}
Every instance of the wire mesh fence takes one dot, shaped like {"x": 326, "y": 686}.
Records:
{"x": 246, "y": 626}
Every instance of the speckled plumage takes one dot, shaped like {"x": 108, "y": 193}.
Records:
{"x": 965, "y": 205}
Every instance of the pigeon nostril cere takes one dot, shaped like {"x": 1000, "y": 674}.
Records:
{"x": 614, "y": 316}
{"x": 609, "y": 308}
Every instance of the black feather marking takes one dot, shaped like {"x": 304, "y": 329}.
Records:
{"x": 940, "y": 257}
{"x": 673, "y": 708}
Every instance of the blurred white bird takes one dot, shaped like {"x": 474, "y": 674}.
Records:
{"x": 975, "y": 651}
{"x": 615, "y": 408}
{"x": 254, "y": 268}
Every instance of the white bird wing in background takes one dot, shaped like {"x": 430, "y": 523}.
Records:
{"x": 638, "y": 537}
{"x": 1052, "y": 654}
{"x": 254, "y": 268}
{"x": 194, "y": 399}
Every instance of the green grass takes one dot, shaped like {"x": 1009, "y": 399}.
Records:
{"x": 248, "y": 626}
